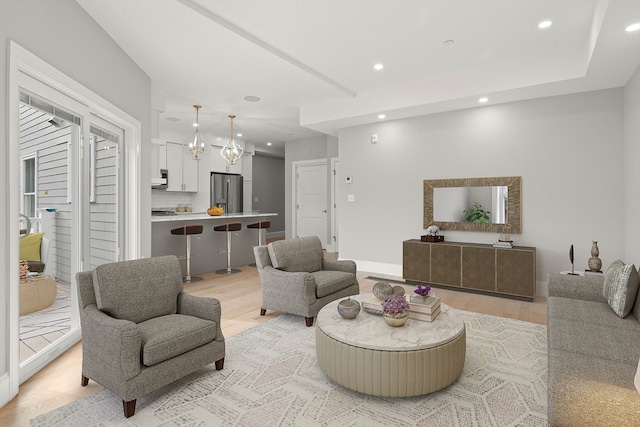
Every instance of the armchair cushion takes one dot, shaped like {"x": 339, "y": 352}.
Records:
{"x": 329, "y": 282}
{"x": 297, "y": 255}
{"x": 123, "y": 289}
{"x": 174, "y": 334}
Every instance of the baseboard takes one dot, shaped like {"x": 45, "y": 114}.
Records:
{"x": 379, "y": 268}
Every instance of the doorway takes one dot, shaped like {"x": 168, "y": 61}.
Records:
{"x": 30, "y": 75}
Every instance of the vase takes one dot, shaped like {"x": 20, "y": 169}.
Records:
{"x": 348, "y": 308}
{"x": 396, "y": 319}
{"x": 595, "y": 263}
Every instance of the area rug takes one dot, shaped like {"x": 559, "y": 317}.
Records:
{"x": 271, "y": 378}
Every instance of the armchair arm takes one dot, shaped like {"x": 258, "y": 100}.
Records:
{"x": 282, "y": 284}
{"x": 204, "y": 308}
{"x": 347, "y": 266}
{"x": 111, "y": 345}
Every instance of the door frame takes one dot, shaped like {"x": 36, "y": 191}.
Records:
{"x": 333, "y": 245}
{"x": 22, "y": 63}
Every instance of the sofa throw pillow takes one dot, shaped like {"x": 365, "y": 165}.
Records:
{"x": 609, "y": 278}
{"x": 303, "y": 254}
{"x": 621, "y": 287}
{"x": 30, "y": 247}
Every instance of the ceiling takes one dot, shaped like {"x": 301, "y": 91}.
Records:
{"x": 311, "y": 62}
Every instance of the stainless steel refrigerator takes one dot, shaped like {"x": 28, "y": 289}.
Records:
{"x": 226, "y": 191}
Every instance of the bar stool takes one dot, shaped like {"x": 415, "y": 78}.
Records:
{"x": 228, "y": 228}
{"x": 260, "y": 225}
{"x": 188, "y": 230}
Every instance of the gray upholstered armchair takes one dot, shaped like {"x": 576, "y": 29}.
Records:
{"x": 140, "y": 331}
{"x": 297, "y": 279}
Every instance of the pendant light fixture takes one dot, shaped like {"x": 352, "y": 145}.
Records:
{"x": 232, "y": 151}
{"x": 198, "y": 147}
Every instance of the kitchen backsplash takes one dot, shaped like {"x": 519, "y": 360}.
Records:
{"x": 168, "y": 199}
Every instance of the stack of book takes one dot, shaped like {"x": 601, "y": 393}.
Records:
{"x": 424, "y": 309}
{"x": 503, "y": 244}
{"x": 593, "y": 273}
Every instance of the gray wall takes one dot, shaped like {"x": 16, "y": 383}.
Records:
{"x": 569, "y": 151}
{"x": 268, "y": 188}
{"x": 65, "y": 36}
{"x": 632, "y": 168}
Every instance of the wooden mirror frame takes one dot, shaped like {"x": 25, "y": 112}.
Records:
{"x": 514, "y": 219}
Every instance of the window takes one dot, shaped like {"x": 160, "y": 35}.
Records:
{"x": 28, "y": 196}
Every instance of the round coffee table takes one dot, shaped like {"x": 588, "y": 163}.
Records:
{"x": 367, "y": 355}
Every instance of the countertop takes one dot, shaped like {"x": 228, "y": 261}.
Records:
{"x": 203, "y": 215}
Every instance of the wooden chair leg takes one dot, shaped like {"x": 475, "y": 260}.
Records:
{"x": 219, "y": 364}
{"x": 129, "y": 408}
{"x": 263, "y": 312}
{"x": 308, "y": 321}
{"x": 84, "y": 381}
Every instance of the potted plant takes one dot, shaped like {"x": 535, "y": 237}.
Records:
{"x": 476, "y": 214}
{"x": 395, "y": 310}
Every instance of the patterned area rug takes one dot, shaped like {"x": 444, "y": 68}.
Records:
{"x": 271, "y": 378}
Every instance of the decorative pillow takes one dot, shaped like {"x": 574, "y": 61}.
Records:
{"x": 302, "y": 254}
{"x": 621, "y": 287}
{"x": 30, "y": 247}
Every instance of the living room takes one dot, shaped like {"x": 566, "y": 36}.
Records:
{"x": 575, "y": 151}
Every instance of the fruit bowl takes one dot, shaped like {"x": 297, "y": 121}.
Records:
{"x": 215, "y": 211}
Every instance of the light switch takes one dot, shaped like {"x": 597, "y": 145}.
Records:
{"x": 374, "y": 138}
{"x": 351, "y": 197}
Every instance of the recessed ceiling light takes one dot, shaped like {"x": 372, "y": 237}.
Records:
{"x": 378, "y": 67}
{"x": 544, "y": 24}
{"x": 195, "y": 125}
{"x": 173, "y": 119}
{"x": 381, "y": 116}
{"x": 483, "y": 100}
{"x": 238, "y": 134}
{"x": 448, "y": 43}
{"x": 269, "y": 144}
{"x": 633, "y": 27}
{"x": 252, "y": 98}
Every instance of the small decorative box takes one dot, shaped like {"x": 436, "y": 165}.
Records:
{"x": 432, "y": 239}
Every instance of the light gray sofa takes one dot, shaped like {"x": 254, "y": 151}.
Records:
{"x": 593, "y": 356}
{"x": 297, "y": 279}
{"x": 141, "y": 331}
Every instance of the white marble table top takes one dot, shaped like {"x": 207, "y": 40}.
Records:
{"x": 199, "y": 216}
{"x": 372, "y": 332}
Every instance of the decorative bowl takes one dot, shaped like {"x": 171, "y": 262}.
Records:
{"x": 398, "y": 290}
{"x": 348, "y": 308}
{"x": 396, "y": 319}
{"x": 382, "y": 290}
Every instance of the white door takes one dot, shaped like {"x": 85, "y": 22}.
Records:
{"x": 311, "y": 201}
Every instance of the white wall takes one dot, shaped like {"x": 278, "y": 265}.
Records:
{"x": 632, "y": 168}
{"x": 569, "y": 151}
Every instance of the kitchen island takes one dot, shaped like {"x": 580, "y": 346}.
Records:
{"x": 208, "y": 250}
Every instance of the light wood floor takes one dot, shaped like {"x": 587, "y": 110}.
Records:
{"x": 240, "y": 296}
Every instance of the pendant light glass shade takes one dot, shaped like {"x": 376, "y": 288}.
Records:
{"x": 232, "y": 151}
{"x": 198, "y": 146}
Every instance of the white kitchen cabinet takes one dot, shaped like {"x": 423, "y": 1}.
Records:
{"x": 182, "y": 168}
{"x": 158, "y": 157}
{"x": 219, "y": 164}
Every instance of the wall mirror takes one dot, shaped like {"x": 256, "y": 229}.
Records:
{"x": 474, "y": 204}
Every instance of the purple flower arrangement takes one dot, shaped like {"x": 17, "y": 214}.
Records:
{"x": 423, "y": 291}
{"x": 395, "y": 304}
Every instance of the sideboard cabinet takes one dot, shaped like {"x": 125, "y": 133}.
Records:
{"x": 472, "y": 267}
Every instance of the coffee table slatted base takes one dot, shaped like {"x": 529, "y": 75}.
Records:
{"x": 391, "y": 373}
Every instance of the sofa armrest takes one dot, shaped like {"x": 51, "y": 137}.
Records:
{"x": 347, "y": 266}
{"x": 203, "y": 308}
{"x": 576, "y": 287}
{"x": 114, "y": 344}
{"x": 280, "y": 282}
